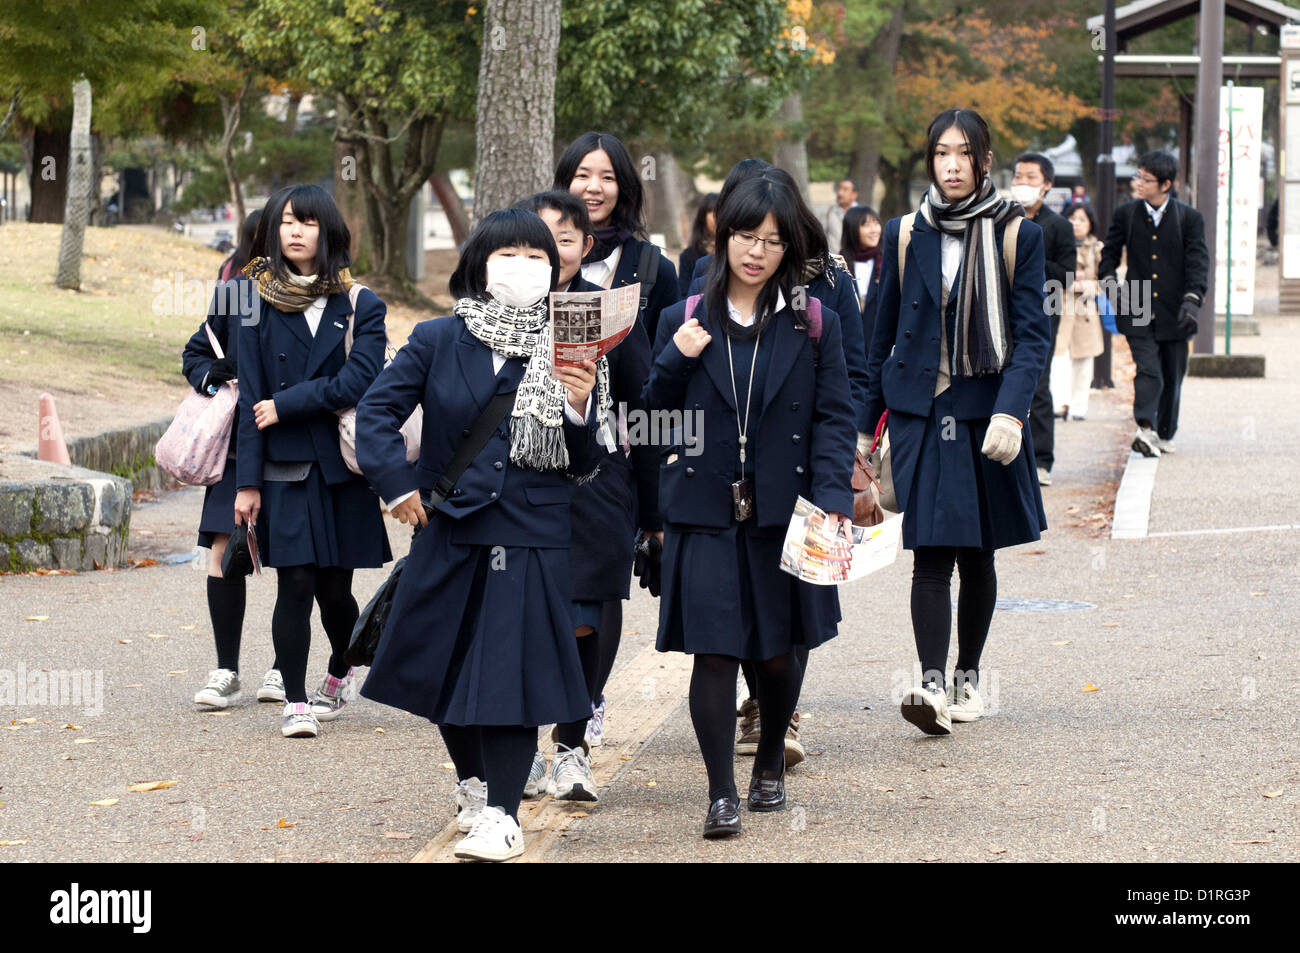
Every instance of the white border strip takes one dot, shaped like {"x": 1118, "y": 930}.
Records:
{"x": 1237, "y": 529}
{"x": 1133, "y": 501}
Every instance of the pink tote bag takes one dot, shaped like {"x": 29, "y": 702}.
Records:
{"x": 194, "y": 448}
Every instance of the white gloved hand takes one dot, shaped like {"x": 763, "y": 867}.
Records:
{"x": 864, "y": 443}
{"x": 1002, "y": 441}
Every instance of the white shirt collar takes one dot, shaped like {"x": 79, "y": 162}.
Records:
{"x": 1157, "y": 213}
{"x": 734, "y": 313}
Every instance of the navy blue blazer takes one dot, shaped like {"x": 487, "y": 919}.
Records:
{"x": 448, "y": 371}
{"x": 904, "y": 360}
{"x": 841, "y": 298}
{"x": 665, "y": 291}
{"x": 309, "y": 378}
{"x": 806, "y": 433}
{"x": 223, "y": 315}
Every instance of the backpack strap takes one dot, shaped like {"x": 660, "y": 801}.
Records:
{"x": 691, "y": 302}
{"x": 647, "y": 270}
{"x": 1010, "y": 236}
{"x": 353, "y": 293}
{"x": 904, "y": 239}
{"x": 815, "y": 328}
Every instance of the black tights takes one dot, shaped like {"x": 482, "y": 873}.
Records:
{"x": 296, "y": 586}
{"x": 748, "y": 669}
{"x": 932, "y": 608}
{"x": 499, "y": 755}
{"x": 610, "y": 634}
{"x": 713, "y": 712}
{"x": 571, "y": 734}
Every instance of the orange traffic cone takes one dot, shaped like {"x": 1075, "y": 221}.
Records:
{"x": 51, "y": 445}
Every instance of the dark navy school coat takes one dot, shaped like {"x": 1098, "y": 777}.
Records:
{"x": 843, "y": 300}
{"x": 664, "y": 293}
{"x": 904, "y": 357}
{"x": 223, "y": 316}
{"x": 448, "y": 371}
{"x": 806, "y": 433}
{"x": 309, "y": 378}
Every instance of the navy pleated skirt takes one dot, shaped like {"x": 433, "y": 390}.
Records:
{"x": 724, "y": 593}
{"x": 480, "y": 635}
{"x": 604, "y": 532}
{"x": 312, "y": 522}
{"x": 218, "y": 516}
{"x": 953, "y": 495}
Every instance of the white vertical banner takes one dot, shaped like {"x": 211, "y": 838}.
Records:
{"x": 1239, "y": 136}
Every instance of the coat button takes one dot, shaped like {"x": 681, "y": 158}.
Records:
{"x": 915, "y": 305}
{"x": 464, "y": 434}
{"x": 907, "y": 334}
{"x": 900, "y": 363}
{"x": 1154, "y": 275}
{"x": 795, "y": 405}
{"x": 458, "y": 492}
{"x": 283, "y": 385}
{"x": 690, "y": 471}
{"x": 500, "y": 433}
{"x": 1153, "y": 257}
{"x": 282, "y": 357}
{"x": 498, "y": 465}
{"x": 794, "y": 438}
{"x": 799, "y": 470}
{"x": 1155, "y": 294}
{"x": 492, "y": 495}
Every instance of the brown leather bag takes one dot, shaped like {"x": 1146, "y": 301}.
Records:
{"x": 866, "y": 511}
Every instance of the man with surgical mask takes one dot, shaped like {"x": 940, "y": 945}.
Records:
{"x": 1034, "y": 175}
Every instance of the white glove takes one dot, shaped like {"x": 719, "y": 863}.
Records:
{"x": 1002, "y": 441}
{"x": 864, "y": 443}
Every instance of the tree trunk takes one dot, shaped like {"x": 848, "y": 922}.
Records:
{"x": 231, "y": 106}
{"x": 96, "y": 180}
{"x": 881, "y": 59}
{"x": 78, "y": 172}
{"x": 452, "y": 206}
{"x": 291, "y": 113}
{"x": 516, "y": 102}
{"x": 11, "y": 111}
{"x": 791, "y": 149}
{"x": 49, "y": 173}
{"x": 898, "y": 180}
{"x": 349, "y": 196}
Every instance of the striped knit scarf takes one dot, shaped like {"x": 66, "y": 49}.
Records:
{"x": 537, "y": 420}
{"x": 983, "y": 340}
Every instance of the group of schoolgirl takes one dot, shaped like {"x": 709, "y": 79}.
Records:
{"x": 508, "y": 612}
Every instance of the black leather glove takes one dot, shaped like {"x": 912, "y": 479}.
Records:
{"x": 648, "y": 562}
{"x": 1187, "y": 325}
{"x": 221, "y": 370}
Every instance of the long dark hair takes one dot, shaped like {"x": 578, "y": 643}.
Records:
{"x": 502, "y": 229}
{"x": 744, "y": 210}
{"x": 701, "y": 240}
{"x": 629, "y": 210}
{"x": 816, "y": 247}
{"x": 243, "y": 252}
{"x": 851, "y": 235}
{"x": 740, "y": 172}
{"x": 976, "y": 132}
{"x": 333, "y": 244}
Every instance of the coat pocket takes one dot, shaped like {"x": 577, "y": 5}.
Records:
{"x": 544, "y": 495}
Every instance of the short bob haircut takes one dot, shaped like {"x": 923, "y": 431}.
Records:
{"x": 310, "y": 203}
{"x": 629, "y": 210}
{"x": 571, "y": 208}
{"x": 1044, "y": 164}
{"x": 1087, "y": 210}
{"x": 743, "y": 211}
{"x": 850, "y": 240}
{"x": 1162, "y": 165}
{"x": 509, "y": 227}
{"x": 975, "y": 131}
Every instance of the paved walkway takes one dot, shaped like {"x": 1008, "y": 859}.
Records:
{"x": 1189, "y": 640}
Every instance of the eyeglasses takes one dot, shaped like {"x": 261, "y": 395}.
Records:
{"x": 1148, "y": 179}
{"x": 773, "y": 245}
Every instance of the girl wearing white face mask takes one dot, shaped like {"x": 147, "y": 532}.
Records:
{"x": 480, "y": 636}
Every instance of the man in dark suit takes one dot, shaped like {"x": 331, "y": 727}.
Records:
{"x": 1168, "y": 272}
{"x": 1034, "y": 176}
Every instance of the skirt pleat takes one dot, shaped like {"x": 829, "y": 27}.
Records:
{"x": 312, "y": 522}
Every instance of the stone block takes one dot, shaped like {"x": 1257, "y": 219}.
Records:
{"x": 67, "y": 552}
{"x": 65, "y": 508}
{"x": 1226, "y": 365}
{"x": 4, "y": 557}
{"x": 15, "y": 510}
{"x": 33, "y": 554}
{"x": 96, "y": 551}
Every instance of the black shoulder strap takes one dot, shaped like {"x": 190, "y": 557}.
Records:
{"x": 471, "y": 446}
{"x": 647, "y": 270}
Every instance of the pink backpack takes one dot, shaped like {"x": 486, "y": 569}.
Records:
{"x": 814, "y": 322}
{"x": 194, "y": 448}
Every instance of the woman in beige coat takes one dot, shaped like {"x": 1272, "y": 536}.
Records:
{"x": 1079, "y": 339}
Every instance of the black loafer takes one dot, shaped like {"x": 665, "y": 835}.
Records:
{"x": 767, "y": 791}
{"x": 723, "y": 819}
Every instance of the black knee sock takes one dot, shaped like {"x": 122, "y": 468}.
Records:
{"x": 465, "y": 746}
{"x": 291, "y": 627}
{"x": 975, "y": 604}
{"x": 779, "y": 680}
{"x": 610, "y": 634}
{"x": 932, "y": 608}
{"x": 338, "y": 613}
{"x": 713, "y": 713}
{"x": 570, "y": 735}
{"x": 801, "y": 654}
{"x": 226, "y": 599}
{"x": 507, "y": 758}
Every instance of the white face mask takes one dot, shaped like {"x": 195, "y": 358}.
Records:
{"x": 1027, "y": 195}
{"x": 518, "y": 282}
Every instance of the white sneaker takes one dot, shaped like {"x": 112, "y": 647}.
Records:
{"x": 494, "y": 837}
{"x": 222, "y": 689}
{"x": 471, "y": 798}
{"x": 536, "y": 785}
{"x": 297, "y": 721}
{"x": 1044, "y": 477}
{"x": 595, "y": 735}
{"x": 964, "y": 703}
{"x": 926, "y": 706}
{"x": 332, "y": 695}
{"x": 1166, "y": 446}
{"x": 571, "y": 778}
{"x": 272, "y": 689}
{"x": 1146, "y": 442}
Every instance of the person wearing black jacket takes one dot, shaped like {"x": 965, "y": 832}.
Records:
{"x": 1166, "y": 252}
{"x": 1034, "y": 176}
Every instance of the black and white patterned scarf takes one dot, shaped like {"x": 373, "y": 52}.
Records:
{"x": 983, "y": 341}
{"x": 537, "y": 420}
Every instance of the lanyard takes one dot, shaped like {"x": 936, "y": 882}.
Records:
{"x": 743, "y": 429}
